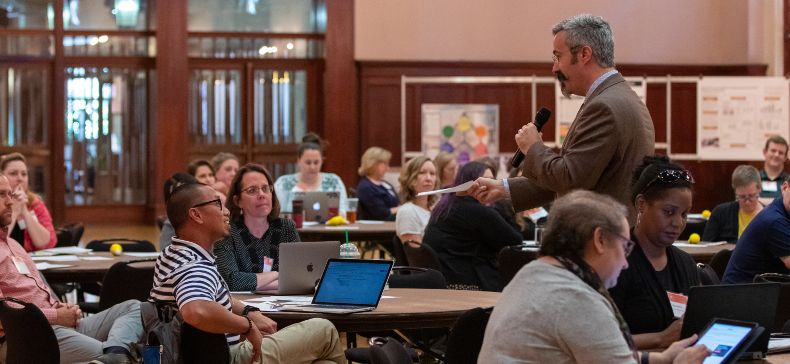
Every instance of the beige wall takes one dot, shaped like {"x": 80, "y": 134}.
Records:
{"x": 645, "y": 32}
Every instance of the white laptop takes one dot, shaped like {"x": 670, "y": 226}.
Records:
{"x": 301, "y": 265}
{"x": 319, "y": 206}
{"x": 348, "y": 285}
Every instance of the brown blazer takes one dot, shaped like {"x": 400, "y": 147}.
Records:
{"x": 610, "y": 136}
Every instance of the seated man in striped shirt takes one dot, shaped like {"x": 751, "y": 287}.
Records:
{"x": 104, "y": 338}
{"x": 186, "y": 273}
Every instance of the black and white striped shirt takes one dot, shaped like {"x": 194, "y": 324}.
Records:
{"x": 186, "y": 272}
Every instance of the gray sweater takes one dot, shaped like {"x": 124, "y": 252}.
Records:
{"x": 548, "y": 315}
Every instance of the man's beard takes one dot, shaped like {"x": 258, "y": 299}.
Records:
{"x": 562, "y": 78}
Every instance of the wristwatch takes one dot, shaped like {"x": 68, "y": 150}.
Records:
{"x": 248, "y": 309}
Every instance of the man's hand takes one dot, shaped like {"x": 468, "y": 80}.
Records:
{"x": 266, "y": 325}
{"x": 486, "y": 190}
{"x": 255, "y": 338}
{"x": 69, "y": 315}
{"x": 528, "y": 136}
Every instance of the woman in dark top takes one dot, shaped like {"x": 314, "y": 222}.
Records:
{"x": 662, "y": 197}
{"x": 728, "y": 220}
{"x": 378, "y": 200}
{"x": 467, "y": 236}
{"x": 248, "y": 259}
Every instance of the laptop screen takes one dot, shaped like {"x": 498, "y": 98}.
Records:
{"x": 353, "y": 282}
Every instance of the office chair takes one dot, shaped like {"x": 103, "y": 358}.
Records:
{"x": 123, "y": 282}
{"x": 29, "y": 335}
{"x": 421, "y": 256}
{"x": 511, "y": 259}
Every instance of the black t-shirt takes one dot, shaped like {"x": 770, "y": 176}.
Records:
{"x": 667, "y": 279}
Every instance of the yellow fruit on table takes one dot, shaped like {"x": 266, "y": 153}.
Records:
{"x": 116, "y": 249}
{"x": 706, "y": 214}
{"x": 694, "y": 238}
{"x": 336, "y": 221}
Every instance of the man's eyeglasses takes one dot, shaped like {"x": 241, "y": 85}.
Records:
{"x": 218, "y": 201}
{"x": 670, "y": 176}
{"x": 10, "y": 195}
{"x": 255, "y": 190}
{"x": 629, "y": 244}
{"x": 747, "y": 198}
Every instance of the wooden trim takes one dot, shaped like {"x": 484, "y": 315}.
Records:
{"x": 110, "y": 214}
{"x": 6, "y": 31}
{"x": 26, "y": 62}
{"x": 255, "y": 35}
{"x": 57, "y": 127}
{"x": 111, "y": 62}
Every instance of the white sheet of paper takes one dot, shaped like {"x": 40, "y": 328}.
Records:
{"x": 540, "y": 213}
{"x": 150, "y": 255}
{"x": 59, "y": 258}
{"x": 309, "y": 223}
{"x": 343, "y": 227}
{"x": 371, "y": 222}
{"x": 461, "y": 187}
{"x": 95, "y": 258}
{"x": 67, "y": 250}
{"x": 700, "y": 245}
{"x": 46, "y": 265}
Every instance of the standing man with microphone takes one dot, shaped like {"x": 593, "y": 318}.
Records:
{"x": 610, "y": 136}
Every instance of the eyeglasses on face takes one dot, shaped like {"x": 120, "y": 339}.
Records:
{"x": 7, "y": 195}
{"x": 255, "y": 190}
{"x": 629, "y": 244}
{"x": 218, "y": 201}
{"x": 747, "y": 198}
{"x": 670, "y": 176}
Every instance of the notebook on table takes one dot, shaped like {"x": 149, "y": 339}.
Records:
{"x": 301, "y": 265}
{"x": 319, "y": 206}
{"x": 348, "y": 285}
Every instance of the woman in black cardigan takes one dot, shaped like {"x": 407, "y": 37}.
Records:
{"x": 662, "y": 197}
{"x": 728, "y": 220}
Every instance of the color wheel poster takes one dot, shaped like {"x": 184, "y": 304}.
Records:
{"x": 735, "y": 115}
{"x": 468, "y": 131}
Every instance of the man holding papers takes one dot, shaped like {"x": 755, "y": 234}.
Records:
{"x": 611, "y": 134}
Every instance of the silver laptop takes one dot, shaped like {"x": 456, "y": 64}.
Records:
{"x": 319, "y": 206}
{"x": 301, "y": 264}
{"x": 348, "y": 285}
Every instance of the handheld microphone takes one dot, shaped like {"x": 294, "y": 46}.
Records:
{"x": 540, "y": 119}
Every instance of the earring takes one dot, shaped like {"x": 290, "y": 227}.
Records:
{"x": 241, "y": 212}
{"x": 638, "y": 219}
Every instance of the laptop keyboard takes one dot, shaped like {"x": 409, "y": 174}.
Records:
{"x": 344, "y": 307}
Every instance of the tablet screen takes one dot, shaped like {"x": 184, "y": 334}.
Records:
{"x": 721, "y": 339}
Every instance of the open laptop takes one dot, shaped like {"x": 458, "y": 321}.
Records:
{"x": 753, "y": 302}
{"x": 301, "y": 264}
{"x": 348, "y": 285}
{"x": 319, "y": 206}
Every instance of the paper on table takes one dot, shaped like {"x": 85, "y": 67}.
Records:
{"x": 700, "y": 245}
{"x": 153, "y": 254}
{"x": 343, "y": 227}
{"x": 309, "y": 223}
{"x": 65, "y": 250}
{"x": 694, "y": 216}
{"x": 369, "y": 222}
{"x": 538, "y": 214}
{"x": 462, "y": 187}
{"x": 46, "y": 265}
{"x": 58, "y": 258}
{"x": 95, "y": 258}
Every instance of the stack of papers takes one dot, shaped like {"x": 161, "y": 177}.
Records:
{"x": 46, "y": 265}
{"x": 62, "y": 250}
{"x": 149, "y": 255}
{"x": 58, "y": 258}
{"x": 698, "y": 245}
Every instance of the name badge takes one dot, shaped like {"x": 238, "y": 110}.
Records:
{"x": 20, "y": 265}
{"x": 678, "y": 303}
{"x": 267, "y": 264}
{"x": 770, "y": 186}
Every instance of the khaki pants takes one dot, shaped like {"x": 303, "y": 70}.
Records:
{"x": 311, "y": 341}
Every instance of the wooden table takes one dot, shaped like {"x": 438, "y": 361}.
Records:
{"x": 412, "y": 309}
{"x": 84, "y": 270}
{"x": 782, "y": 358}
{"x": 356, "y": 232}
{"x": 704, "y": 254}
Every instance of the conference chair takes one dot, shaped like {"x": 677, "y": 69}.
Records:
{"x": 70, "y": 234}
{"x": 421, "y": 256}
{"x": 398, "y": 253}
{"x": 466, "y": 336}
{"x": 387, "y": 350}
{"x": 782, "y": 318}
{"x": 160, "y": 221}
{"x": 123, "y": 281}
{"x": 413, "y": 277}
{"x": 198, "y": 346}
{"x": 707, "y": 276}
{"x": 511, "y": 259}
{"x": 719, "y": 261}
{"x": 128, "y": 245}
{"x": 28, "y": 334}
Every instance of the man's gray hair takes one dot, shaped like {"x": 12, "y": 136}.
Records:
{"x": 745, "y": 175}
{"x": 592, "y": 31}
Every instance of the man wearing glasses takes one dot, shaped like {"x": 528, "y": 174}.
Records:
{"x": 611, "y": 134}
{"x": 104, "y": 338}
{"x": 186, "y": 274}
{"x": 728, "y": 220}
{"x": 764, "y": 246}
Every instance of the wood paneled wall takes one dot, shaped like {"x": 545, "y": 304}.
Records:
{"x": 379, "y": 118}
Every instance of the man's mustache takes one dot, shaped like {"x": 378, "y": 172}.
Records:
{"x": 561, "y": 76}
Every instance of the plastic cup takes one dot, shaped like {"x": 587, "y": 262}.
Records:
{"x": 351, "y": 210}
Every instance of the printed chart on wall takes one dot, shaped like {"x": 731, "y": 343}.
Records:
{"x": 468, "y": 131}
{"x": 568, "y": 107}
{"x": 735, "y": 115}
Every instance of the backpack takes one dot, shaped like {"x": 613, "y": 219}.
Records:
{"x": 162, "y": 324}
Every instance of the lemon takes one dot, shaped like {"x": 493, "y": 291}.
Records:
{"x": 694, "y": 238}
{"x": 116, "y": 249}
{"x": 337, "y": 220}
{"x": 706, "y": 214}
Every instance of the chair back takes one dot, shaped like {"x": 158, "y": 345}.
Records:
{"x": 421, "y": 256}
{"x": 124, "y": 281}
{"x": 388, "y": 351}
{"x": 720, "y": 260}
{"x": 466, "y": 336}
{"x": 707, "y": 276}
{"x": 198, "y": 346}
{"x": 397, "y": 251}
{"x": 160, "y": 221}
{"x": 511, "y": 259}
{"x": 417, "y": 278}
{"x": 128, "y": 245}
{"x": 29, "y": 335}
{"x": 70, "y": 234}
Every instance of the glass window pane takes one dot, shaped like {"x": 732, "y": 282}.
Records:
{"x": 215, "y": 107}
{"x": 25, "y": 14}
{"x": 106, "y": 117}
{"x": 280, "y": 110}
{"x": 106, "y": 14}
{"x": 23, "y": 107}
{"x": 266, "y": 16}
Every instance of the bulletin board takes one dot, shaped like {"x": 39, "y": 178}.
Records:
{"x": 467, "y": 131}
